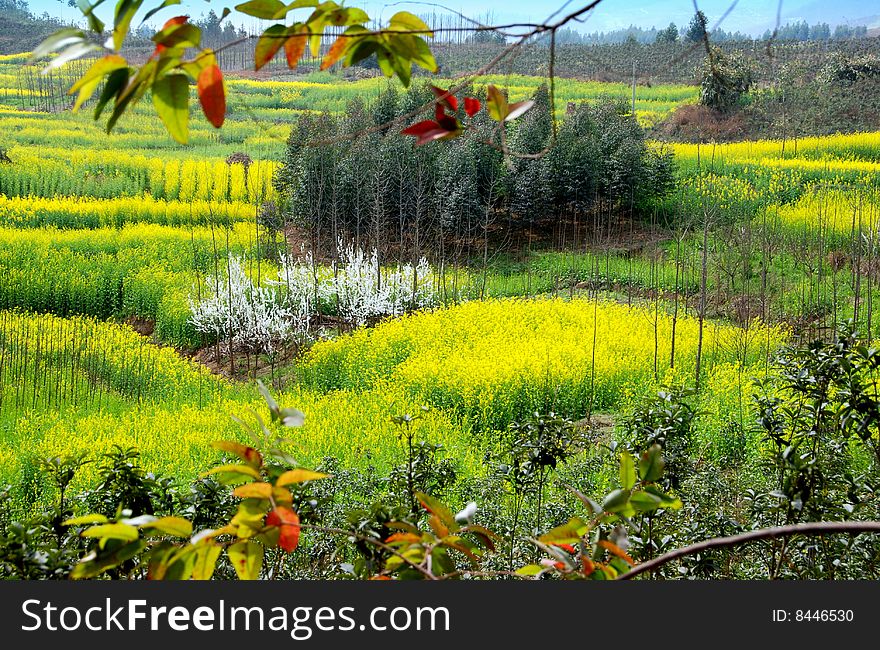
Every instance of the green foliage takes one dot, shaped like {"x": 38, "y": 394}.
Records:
{"x": 595, "y": 548}
{"x": 167, "y": 73}
{"x": 725, "y": 80}
{"x": 668, "y": 35}
{"x": 667, "y": 421}
{"x": 813, "y": 415}
{"x": 696, "y": 30}
{"x": 847, "y": 71}
{"x": 378, "y": 187}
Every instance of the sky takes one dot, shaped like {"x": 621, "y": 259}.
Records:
{"x": 749, "y": 16}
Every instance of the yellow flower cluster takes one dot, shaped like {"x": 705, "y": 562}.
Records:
{"x": 723, "y": 192}
{"x": 48, "y": 172}
{"x": 492, "y": 362}
{"x": 87, "y": 212}
{"x": 853, "y": 146}
{"x": 49, "y": 360}
{"x": 824, "y": 212}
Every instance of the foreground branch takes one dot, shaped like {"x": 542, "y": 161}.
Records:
{"x": 813, "y": 528}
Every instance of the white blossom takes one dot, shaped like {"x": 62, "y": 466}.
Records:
{"x": 261, "y": 318}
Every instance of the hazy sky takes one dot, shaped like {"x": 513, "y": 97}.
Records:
{"x": 752, "y": 16}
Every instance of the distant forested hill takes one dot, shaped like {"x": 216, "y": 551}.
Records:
{"x": 20, "y": 30}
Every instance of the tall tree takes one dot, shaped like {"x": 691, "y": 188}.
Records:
{"x": 696, "y": 29}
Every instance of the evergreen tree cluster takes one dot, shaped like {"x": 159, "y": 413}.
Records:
{"x": 381, "y": 191}
{"x": 801, "y": 31}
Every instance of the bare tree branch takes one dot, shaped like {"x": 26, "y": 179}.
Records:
{"x": 813, "y": 528}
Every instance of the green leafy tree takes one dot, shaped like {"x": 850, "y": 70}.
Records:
{"x": 725, "y": 79}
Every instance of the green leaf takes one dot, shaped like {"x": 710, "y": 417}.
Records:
{"x": 117, "y": 80}
{"x": 266, "y": 9}
{"x": 423, "y": 57}
{"x": 354, "y": 16}
{"x": 125, "y": 11}
{"x": 253, "y": 491}
{"x": 364, "y": 48}
{"x": 89, "y": 82}
{"x": 627, "y": 471}
{"x": 644, "y": 502}
{"x": 176, "y": 526}
{"x": 620, "y": 566}
{"x": 591, "y": 504}
{"x": 407, "y": 22}
{"x": 383, "y": 58}
{"x": 298, "y": 476}
{"x": 154, "y": 11}
{"x": 118, "y": 109}
{"x": 249, "y": 517}
{"x": 180, "y": 566}
{"x": 95, "y": 564}
{"x": 651, "y": 464}
{"x": 205, "y": 561}
{"x": 261, "y": 387}
{"x": 160, "y": 556}
{"x": 130, "y": 94}
{"x": 86, "y": 519}
{"x": 171, "y": 99}
{"x": 88, "y": 10}
{"x": 568, "y": 533}
{"x": 59, "y": 40}
{"x": 497, "y": 103}
{"x": 666, "y": 500}
{"x": 529, "y": 570}
{"x": 247, "y": 559}
{"x": 99, "y": 69}
{"x": 179, "y": 35}
{"x": 233, "y": 472}
{"x": 402, "y": 68}
{"x": 616, "y": 501}
{"x": 112, "y": 531}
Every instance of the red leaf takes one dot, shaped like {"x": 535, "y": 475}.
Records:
{"x": 420, "y": 128}
{"x": 288, "y": 521}
{"x": 429, "y": 130}
{"x": 411, "y": 538}
{"x": 449, "y": 123}
{"x": 171, "y": 22}
{"x": 443, "y": 97}
{"x": 294, "y": 48}
{"x": 430, "y": 136}
{"x": 335, "y": 52}
{"x": 566, "y": 547}
{"x": 211, "y": 95}
{"x": 614, "y": 549}
{"x": 268, "y": 44}
{"x": 471, "y": 106}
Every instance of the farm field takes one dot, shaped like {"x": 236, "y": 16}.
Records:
{"x": 448, "y": 339}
